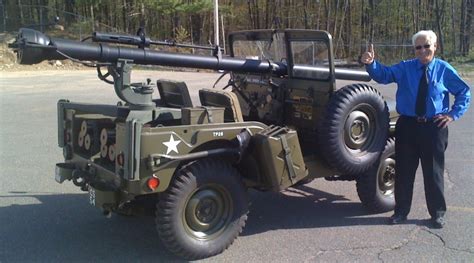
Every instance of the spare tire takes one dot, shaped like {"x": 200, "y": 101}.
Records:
{"x": 354, "y": 129}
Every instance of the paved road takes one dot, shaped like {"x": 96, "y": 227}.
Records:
{"x": 43, "y": 221}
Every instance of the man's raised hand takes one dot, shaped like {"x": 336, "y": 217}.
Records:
{"x": 368, "y": 56}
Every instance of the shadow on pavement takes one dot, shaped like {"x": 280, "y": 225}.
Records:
{"x": 66, "y": 228}
{"x": 305, "y": 207}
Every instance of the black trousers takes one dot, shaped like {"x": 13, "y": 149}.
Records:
{"x": 417, "y": 141}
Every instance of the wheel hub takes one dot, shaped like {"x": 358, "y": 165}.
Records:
{"x": 387, "y": 176}
{"x": 357, "y": 130}
{"x": 207, "y": 212}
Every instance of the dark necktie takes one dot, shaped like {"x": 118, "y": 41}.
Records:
{"x": 420, "y": 108}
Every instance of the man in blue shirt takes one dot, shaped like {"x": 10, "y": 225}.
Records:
{"x": 421, "y": 133}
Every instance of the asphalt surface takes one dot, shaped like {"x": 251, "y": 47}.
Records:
{"x": 43, "y": 221}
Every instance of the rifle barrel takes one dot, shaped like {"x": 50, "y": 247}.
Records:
{"x": 32, "y": 47}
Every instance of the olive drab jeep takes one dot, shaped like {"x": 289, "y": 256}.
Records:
{"x": 279, "y": 121}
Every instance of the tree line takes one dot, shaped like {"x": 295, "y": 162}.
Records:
{"x": 352, "y": 23}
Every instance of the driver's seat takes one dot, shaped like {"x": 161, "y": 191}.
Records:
{"x": 221, "y": 98}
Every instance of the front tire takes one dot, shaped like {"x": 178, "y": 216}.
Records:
{"x": 203, "y": 210}
{"x": 376, "y": 186}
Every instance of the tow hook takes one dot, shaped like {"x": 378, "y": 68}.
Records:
{"x": 80, "y": 179}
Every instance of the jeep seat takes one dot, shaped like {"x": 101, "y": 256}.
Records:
{"x": 173, "y": 94}
{"x": 220, "y": 98}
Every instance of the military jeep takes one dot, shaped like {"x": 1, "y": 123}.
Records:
{"x": 278, "y": 122}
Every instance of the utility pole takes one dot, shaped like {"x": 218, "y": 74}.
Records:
{"x": 216, "y": 28}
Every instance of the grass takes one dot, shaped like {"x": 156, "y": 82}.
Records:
{"x": 464, "y": 65}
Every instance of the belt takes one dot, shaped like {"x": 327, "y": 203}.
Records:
{"x": 418, "y": 119}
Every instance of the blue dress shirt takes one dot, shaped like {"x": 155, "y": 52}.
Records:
{"x": 442, "y": 80}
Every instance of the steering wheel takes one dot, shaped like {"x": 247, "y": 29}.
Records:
{"x": 219, "y": 79}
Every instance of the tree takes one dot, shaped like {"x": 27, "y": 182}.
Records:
{"x": 351, "y": 22}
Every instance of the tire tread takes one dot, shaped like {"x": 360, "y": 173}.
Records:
{"x": 366, "y": 185}
{"x": 165, "y": 208}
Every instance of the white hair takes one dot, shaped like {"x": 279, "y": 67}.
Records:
{"x": 428, "y": 34}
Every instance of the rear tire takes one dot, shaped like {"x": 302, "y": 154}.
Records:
{"x": 203, "y": 210}
{"x": 376, "y": 186}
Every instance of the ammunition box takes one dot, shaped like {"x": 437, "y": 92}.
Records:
{"x": 278, "y": 152}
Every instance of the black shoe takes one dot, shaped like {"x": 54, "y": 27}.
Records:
{"x": 438, "y": 222}
{"x": 397, "y": 219}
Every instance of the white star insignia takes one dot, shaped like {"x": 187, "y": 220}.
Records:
{"x": 172, "y": 145}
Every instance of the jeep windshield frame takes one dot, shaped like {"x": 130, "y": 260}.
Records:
{"x": 307, "y": 53}
{"x": 310, "y": 55}
{"x": 264, "y": 45}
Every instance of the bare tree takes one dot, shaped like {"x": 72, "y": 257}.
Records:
{"x": 439, "y": 11}
{"x": 468, "y": 24}
{"x": 453, "y": 27}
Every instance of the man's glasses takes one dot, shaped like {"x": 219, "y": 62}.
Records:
{"x": 423, "y": 46}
